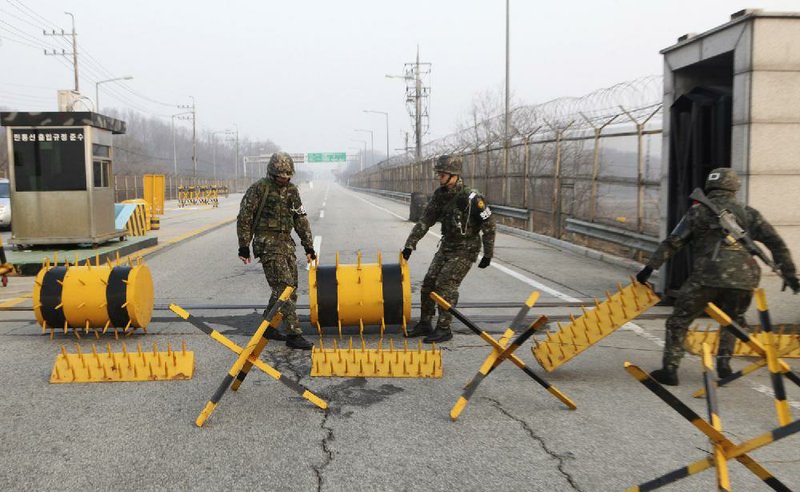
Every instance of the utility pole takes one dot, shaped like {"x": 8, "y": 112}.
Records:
{"x": 64, "y": 53}
{"x": 193, "y": 109}
{"x": 417, "y": 94}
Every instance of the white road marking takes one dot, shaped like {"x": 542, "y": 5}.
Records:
{"x": 317, "y": 247}
{"x": 323, "y": 204}
{"x": 633, "y": 327}
{"x": 321, "y": 214}
{"x": 533, "y": 283}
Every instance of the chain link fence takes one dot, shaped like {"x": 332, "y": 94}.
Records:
{"x": 589, "y": 160}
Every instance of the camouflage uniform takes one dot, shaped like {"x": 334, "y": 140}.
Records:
{"x": 722, "y": 273}
{"x": 272, "y": 240}
{"x": 464, "y": 214}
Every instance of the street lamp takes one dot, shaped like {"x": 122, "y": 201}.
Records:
{"x": 371, "y": 143}
{"x": 386, "y": 115}
{"x": 174, "y": 149}
{"x": 365, "y": 151}
{"x": 214, "y": 150}
{"x": 97, "y": 89}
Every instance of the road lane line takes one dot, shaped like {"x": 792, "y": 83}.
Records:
{"x": 533, "y": 283}
{"x": 630, "y": 326}
{"x": 321, "y": 214}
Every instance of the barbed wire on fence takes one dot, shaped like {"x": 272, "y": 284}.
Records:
{"x": 636, "y": 99}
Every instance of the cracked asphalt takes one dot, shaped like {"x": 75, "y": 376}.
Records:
{"x": 377, "y": 434}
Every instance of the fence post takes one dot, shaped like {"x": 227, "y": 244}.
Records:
{"x": 640, "y": 166}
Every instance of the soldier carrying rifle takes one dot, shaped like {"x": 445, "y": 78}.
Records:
{"x": 720, "y": 232}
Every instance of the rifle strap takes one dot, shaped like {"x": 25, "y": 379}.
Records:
{"x": 260, "y": 209}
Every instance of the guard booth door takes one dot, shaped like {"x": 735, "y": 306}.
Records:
{"x": 700, "y": 140}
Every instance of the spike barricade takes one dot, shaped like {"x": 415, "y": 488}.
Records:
{"x": 595, "y": 324}
{"x": 787, "y": 345}
{"x": 248, "y": 357}
{"x": 99, "y": 296}
{"x": 765, "y": 351}
{"x": 359, "y": 295}
{"x": 389, "y": 362}
{"x": 724, "y": 449}
{"x": 100, "y": 366}
{"x": 503, "y": 352}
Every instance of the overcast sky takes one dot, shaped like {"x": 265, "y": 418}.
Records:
{"x": 301, "y": 72}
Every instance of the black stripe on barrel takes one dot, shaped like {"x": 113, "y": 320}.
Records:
{"x": 327, "y": 296}
{"x": 392, "y": 294}
{"x": 50, "y": 296}
{"x": 117, "y": 295}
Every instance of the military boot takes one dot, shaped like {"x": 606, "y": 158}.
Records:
{"x": 298, "y": 342}
{"x": 274, "y": 334}
{"x": 668, "y": 375}
{"x": 724, "y": 366}
{"x": 422, "y": 328}
{"x": 439, "y": 335}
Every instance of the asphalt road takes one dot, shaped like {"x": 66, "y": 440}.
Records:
{"x": 379, "y": 434}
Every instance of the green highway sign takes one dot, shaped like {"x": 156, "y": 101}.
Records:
{"x": 326, "y": 157}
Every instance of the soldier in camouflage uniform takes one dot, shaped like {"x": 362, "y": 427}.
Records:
{"x": 722, "y": 273}
{"x": 465, "y": 216}
{"x": 281, "y": 211}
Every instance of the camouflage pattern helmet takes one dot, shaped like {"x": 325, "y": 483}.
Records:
{"x": 280, "y": 165}
{"x": 723, "y": 178}
{"x": 450, "y": 164}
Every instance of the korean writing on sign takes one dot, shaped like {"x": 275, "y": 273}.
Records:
{"x": 49, "y": 135}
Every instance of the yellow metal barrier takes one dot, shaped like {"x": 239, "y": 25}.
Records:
{"x": 594, "y": 325}
{"x": 139, "y": 223}
{"x": 154, "y": 188}
{"x": 99, "y": 296}
{"x": 108, "y": 366}
{"x": 379, "y": 362}
{"x": 360, "y": 294}
{"x": 787, "y": 345}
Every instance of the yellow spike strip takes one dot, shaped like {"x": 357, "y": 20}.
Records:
{"x": 593, "y": 325}
{"x": 419, "y": 363}
{"x": 141, "y": 366}
{"x": 694, "y": 342}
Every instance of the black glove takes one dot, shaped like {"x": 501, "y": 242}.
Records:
{"x": 406, "y": 253}
{"x": 244, "y": 252}
{"x": 484, "y": 262}
{"x": 642, "y": 276}
{"x": 311, "y": 253}
{"x": 794, "y": 284}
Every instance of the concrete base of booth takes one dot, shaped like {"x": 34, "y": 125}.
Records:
{"x": 29, "y": 261}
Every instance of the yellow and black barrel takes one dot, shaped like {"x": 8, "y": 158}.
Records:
{"x": 360, "y": 294}
{"x": 94, "y": 296}
{"x": 155, "y": 222}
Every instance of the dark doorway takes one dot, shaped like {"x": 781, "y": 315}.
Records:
{"x": 700, "y": 140}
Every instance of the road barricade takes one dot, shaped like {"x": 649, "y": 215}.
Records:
{"x": 360, "y": 294}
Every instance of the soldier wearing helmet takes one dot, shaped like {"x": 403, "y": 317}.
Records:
{"x": 270, "y": 210}
{"x": 467, "y": 224}
{"x": 722, "y": 273}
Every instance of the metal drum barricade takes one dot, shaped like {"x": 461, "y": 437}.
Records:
{"x": 99, "y": 296}
{"x": 359, "y": 294}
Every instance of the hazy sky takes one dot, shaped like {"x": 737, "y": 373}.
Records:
{"x": 301, "y": 72}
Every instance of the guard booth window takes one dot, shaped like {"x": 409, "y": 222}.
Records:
{"x": 101, "y": 165}
{"x": 49, "y": 160}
